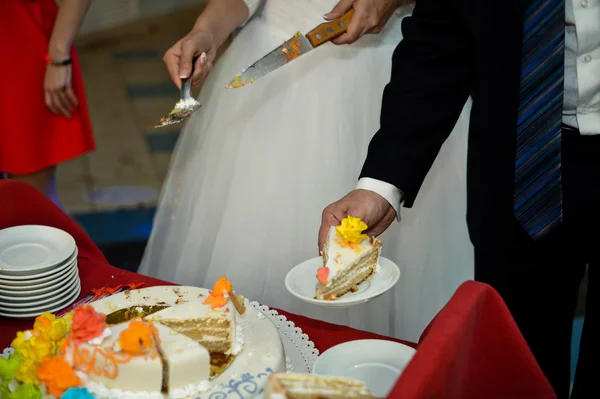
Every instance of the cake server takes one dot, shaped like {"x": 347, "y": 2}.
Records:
{"x": 185, "y": 107}
{"x": 291, "y": 49}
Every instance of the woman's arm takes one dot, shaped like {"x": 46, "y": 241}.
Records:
{"x": 58, "y": 93}
{"x": 218, "y": 20}
{"x": 67, "y": 24}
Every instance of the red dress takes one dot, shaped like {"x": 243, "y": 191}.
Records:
{"x": 32, "y": 138}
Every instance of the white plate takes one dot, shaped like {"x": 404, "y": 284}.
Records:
{"x": 32, "y": 249}
{"x": 378, "y": 363}
{"x": 247, "y": 375}
{"x": 43, "y": 309}
{"x": 38, "y": 278}
{"x": 35, "y": 289}
{"x": 48, "y": 300}
{"x": 301, "y": 282}
{"x": 54, "y": 290}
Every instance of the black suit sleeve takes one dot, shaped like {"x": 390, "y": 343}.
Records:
{"x": 432, "y": 75}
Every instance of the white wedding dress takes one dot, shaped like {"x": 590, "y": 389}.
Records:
{"x": 255, "y": 167}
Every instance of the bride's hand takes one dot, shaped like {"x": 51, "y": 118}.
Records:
{"x": 178, "y": 59}
{"x": 370, "y": 16}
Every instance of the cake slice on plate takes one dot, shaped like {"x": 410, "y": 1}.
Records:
{"x": 349, "y": 258}
{"x": 311, "y": 386}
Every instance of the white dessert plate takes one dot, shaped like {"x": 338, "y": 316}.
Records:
{"x": 36, "y": 289}
{"x": 53, "y": 308}
{"x": 377, "y": 363}
{"x": 41, "y": 277}
{"x": 44, "y": 300}
{"x": 47, "y": 293}
{"x": 32, "y": 249}
{"x": 301, "y": 282}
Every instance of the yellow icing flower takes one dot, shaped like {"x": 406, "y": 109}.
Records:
{"x": 26, "y": 373}
{"x": 19, "y": 339}
{"x": 350, "y": 230}
{"x": 33, "y": 346}
{"x": 49, "y": 326}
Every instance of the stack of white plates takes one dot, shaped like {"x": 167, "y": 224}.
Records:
{"x": 38, "y": 271}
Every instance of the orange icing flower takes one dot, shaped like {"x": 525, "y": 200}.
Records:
{"x": 322, "y": 275}
{"x": 57, "y": 374}
{"x": 87, "y": 324}
{"x": 219, "y": 296}
{"x": 137, "y": 339}
{"x": 350, "y": 231}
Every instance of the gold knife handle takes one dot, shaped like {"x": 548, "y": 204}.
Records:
{"x": 329, "y": 30}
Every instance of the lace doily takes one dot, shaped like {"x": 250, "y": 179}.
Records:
{"x": 300, "y": 351}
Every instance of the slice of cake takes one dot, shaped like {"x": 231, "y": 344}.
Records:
{"x": 349, "y": 258}
{"x": 311, "y": 386}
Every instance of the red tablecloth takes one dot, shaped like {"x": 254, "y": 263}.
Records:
{"x": 471, "y": 350}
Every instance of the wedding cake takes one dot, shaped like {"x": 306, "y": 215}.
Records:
{"x": 349, "y": 258}
{"x": 166, "y": 354}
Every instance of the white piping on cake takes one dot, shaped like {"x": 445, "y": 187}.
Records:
{"x": 238, "y": 343}
{"x": 102, "y": 392}
{"x": 190, "y": 390}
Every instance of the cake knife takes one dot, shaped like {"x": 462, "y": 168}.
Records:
{"x": 291, "y": 49}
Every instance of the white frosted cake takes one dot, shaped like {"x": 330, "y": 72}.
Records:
{"x": 148, "y": 348}
{"x": 169, "y": 353}
{"x": 349, "y": 258}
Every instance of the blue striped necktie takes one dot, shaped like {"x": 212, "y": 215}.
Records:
{"x": 538, "y": 193}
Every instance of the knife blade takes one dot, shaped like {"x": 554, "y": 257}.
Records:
{"x": 292, "y": 49}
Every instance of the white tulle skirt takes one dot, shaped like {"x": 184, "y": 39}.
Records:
{"x": 255, "y": 167}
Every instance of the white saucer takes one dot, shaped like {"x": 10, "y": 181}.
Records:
{"x": 66, "y": 292}
{"x": 38, "y": 278}
{"x": 29, "y": 300}
{"x": 301, "y": 282}
{"x": 53, "y": 308}
{"x": 32, "y": 287}
{"x": 377, "y": 363}
{"x": 32, "y": 249}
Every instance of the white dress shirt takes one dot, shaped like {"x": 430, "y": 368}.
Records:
{"x": 581, "y": 105}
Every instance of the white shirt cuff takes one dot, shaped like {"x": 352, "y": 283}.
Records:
{"x": 391, "y": 193}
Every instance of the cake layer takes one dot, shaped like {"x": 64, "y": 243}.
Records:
{"x": 215, "y": 329}
{"x": 310, "y": 386}
{"x": 186, "y": 364}
{"x": 347, "y": 283}
{"x": 338, "y": 255}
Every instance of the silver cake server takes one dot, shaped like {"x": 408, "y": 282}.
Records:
{"x": 184, "y": 107}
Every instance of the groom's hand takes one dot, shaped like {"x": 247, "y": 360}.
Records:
{"x": 367, "y": 205}
{"x": 370, "y": 16}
